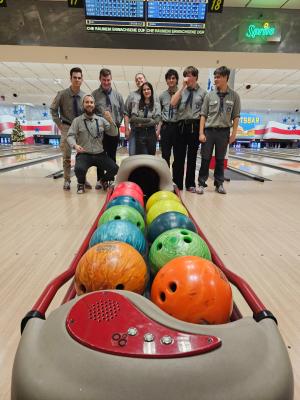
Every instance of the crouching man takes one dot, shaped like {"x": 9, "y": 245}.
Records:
{"x": 86, "y": 137}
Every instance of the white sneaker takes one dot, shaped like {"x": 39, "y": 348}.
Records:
{"x": 220, "y": 189}
{"x": 67, "y": 185}
{"x": 80, "y": 188}
{"x": 200, "y": 190}
{"x": 193, "y": 189}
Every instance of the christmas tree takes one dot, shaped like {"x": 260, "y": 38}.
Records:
{"x": 17, "y": 134}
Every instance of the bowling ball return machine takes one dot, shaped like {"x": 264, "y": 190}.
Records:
{"x": 118, "y": 345}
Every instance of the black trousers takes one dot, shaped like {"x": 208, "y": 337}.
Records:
{"x": 110, "y": 145}
{"x": 84, "y": 161}
{"x": 167, "y": 134}
{"x": 145, "y": 140}
{"x": 186, "y": 143}
{"x": 217, "y": 138}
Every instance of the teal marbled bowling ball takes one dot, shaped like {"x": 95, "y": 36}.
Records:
{"x": 121, "y": 231}
{"x": 126, "y": 201}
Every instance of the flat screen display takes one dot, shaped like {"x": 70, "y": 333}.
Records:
{"x": 147, "y": 16}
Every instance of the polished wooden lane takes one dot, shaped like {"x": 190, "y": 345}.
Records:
{"x": 41, "y": 228}
{"x": 261, "y": 170}
{"x": 255, "y": 229}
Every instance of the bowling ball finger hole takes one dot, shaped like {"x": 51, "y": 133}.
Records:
{"x": 184, "y": 232}
{"x": 162, "y": 296}
{"x": 173, "y": 287}
{"x": 82, "y": 288}
{"x": 117, "y": 217}
{"x": 120, "y": 286}
{"x": 159, "y": 246}
{"x": 187, "y": 240}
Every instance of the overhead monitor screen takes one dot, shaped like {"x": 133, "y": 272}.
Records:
{"x": 173, "y": 17}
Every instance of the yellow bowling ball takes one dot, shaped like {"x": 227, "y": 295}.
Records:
{"x": 161, "y": 195}
{"x": 164, "y": 206}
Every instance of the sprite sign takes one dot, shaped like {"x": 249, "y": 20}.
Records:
{"x": 259, "y": 31}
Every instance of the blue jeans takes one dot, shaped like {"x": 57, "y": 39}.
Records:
{"x": 145, "y": 140}
{"x": 131, "y": 143}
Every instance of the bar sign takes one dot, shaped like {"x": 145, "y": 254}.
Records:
{"x": 215, "y": 6}
{"x": 75, "y": 3}
{"x": 3, "y": 3}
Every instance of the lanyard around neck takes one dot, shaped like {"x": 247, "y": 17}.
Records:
{"x": 98, "y": 130}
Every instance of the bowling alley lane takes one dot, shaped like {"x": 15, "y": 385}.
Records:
{"x": 34, "y": 171}
{"x": 287, "y": 155}
{"x": 248, "y": 167}
{"x": 23, "y": 159}
{"x": 293, "y": 166}
{"x": 18, "y": 150}
{"x": 263, "y": 171}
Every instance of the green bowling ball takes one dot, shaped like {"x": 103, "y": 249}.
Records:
{"x": 126, "y": 213}
{"x": 175, "y": 243}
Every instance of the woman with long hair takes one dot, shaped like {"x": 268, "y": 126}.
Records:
{"x": 145, "y": 117}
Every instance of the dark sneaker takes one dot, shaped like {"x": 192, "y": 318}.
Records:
{"x": 80, "y": 188}
{"x": 98, "y": 185}
{"x": 87, "y": 185}
{"x": 220, "y": 189}
{"x": 67, "y": 185}
{"x": 105, "y": 184}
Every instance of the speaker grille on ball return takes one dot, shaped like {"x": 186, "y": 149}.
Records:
{"x": 104, "y": 310}
{"x": 107, "y": 321}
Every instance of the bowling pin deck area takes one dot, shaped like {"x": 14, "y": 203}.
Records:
{"x": 214, "y": 359}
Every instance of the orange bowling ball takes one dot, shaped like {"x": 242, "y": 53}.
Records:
{"x": 111, "y": 265}
{"x": 193, "y": 289}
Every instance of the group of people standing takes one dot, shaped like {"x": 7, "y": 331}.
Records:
{"x": 181, "y": 117}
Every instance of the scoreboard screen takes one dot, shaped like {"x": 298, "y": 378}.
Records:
{"x": 171, "y": 17}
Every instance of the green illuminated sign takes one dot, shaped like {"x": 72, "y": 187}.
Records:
{"x": 259, "y": 32}
{"x": 254, "y": 31}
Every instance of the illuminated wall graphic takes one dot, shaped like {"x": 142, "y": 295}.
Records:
{"x": 260, "y": 31}
{"x": 261, "y": 126}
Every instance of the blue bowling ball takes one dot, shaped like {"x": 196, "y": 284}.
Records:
{"x": 121, "y": 231}
{"x": 169, "y": 220}
{"x": 126, "y": 201}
